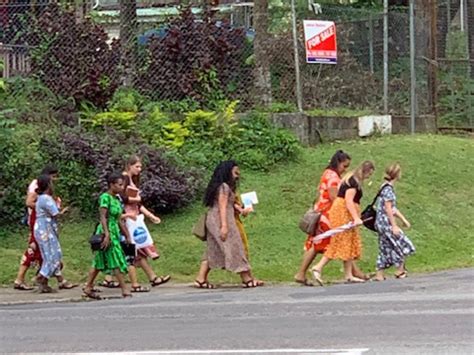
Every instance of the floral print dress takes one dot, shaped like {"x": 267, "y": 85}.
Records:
{"x": 392, "y": 249}
{"x": 46, "y": 235}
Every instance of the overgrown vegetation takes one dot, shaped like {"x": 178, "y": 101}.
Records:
{"x": 179, "y": 148}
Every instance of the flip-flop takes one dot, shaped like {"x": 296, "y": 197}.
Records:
{"x": 157, "y": 281}
{"x": 317, "y": 277}
{"x": 139, "y": 289}
{"x": 304, "y": 282}
{"x": 204, "y": 284}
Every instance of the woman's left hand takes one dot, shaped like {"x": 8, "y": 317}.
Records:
{"x": 224, "y": 232}
{"x": 64, "y": 210}
{"x": 155, "y": 219}
{"x": 246, "y": 211}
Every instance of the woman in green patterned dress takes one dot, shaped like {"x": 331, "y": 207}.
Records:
{"x": 111, "y": 257}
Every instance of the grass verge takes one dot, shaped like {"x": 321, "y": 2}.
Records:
{"x": 435, "y": 194}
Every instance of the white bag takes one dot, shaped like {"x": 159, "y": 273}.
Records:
{"x": 139, "y": 232}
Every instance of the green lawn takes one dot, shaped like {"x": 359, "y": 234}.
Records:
{"x": 436, "y": 194}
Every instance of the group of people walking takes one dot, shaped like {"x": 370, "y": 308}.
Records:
{"x": 226, "y": 243}
{"x": 339, "y": 205}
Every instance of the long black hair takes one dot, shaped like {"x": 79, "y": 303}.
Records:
{"x": 44, "y": 183}
{"x": 222, "y": 174}
{"x": 338, "y": 158}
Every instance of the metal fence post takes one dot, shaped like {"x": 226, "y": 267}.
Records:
{"x": 299, "y": 99}
{"x": 412, "y": 67}
{"x": 385, "y": 56}
{"x": 371, "y": 44}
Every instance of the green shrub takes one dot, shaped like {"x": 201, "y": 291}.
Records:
{"x": 124, "y": 121}
{"x": 126, "y": 100}
{"x": 22, "y": 160}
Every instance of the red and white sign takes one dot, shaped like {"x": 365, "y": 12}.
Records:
{"x": 320, "y": 41}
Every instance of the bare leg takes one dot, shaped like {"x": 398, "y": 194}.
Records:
{"x": 201, "y": 280}
{"x": 203, "y": 271}
{"x": 321, "y": 264}
{"x": 348, "y": 267}
{"x": 379, "y": 275}
{"x": 150, "y": 273}
{"x": 308, "y": 258}
{"x": 20, "y": 277}
{"x": 91, "y": 279}
{"x": 132, "y": 274}
{"x": 123, "y": 286}
{"x": 358, "y": 272}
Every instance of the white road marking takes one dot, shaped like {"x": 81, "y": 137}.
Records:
{"x": 356, "y": 351}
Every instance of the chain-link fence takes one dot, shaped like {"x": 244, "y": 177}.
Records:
{"x": 202, "y": 55}
{"x": 456, "y": 63}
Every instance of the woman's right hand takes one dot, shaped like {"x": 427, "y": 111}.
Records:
{"x": 105, "y": 242}
{"x": 396, "y": 230}
{"x": 224, "y": 232}
{"x": 357, "y": 221}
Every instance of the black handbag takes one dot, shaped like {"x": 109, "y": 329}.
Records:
{"x": 369, "y": 214}
{"x": 96, "y": 241}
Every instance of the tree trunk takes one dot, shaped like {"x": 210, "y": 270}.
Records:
{"x": 262, "y": 62}
{"x": 128, "y": 39}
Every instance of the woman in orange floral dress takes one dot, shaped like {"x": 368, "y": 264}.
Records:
{"x": 346, "y": 246}
{"x": 328, "y": 187}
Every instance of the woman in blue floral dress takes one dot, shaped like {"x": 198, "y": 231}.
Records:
{"x": 46, "y": 233}
{"x": 394, "y": 245}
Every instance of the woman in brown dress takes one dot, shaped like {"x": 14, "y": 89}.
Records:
{"x": 225, "y": 249}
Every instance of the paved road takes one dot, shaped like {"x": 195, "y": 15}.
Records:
{"x": 432, "y": 314}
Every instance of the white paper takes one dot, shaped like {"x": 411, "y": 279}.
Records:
{"x": 249, "y": 199}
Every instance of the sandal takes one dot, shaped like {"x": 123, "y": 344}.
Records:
{"x": 125, "y": 295}
{"x": 94, "y": 289}
{"x": 251, "y": 283}
{"x": 317, "y": 277}
{"x": 204, "y": 284}
{"x": 92, "y": 295}
{"x": 110, "y": 284}
{"x": 304, "y": 282}
{"x": 45, "y": 289}
{"x": 66, "y": 285}
{"x": 401, "y": 275}
{"x": 354, "y": 280}
{"x": 140, "y": 288}
{"x": 157, "y": 281}
{"x": 22, "y": 286}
